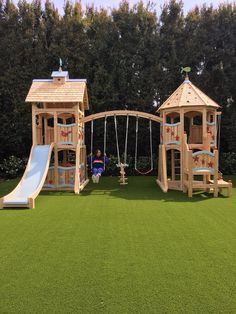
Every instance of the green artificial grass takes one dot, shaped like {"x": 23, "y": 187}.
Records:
{"x": 119, "y": 249}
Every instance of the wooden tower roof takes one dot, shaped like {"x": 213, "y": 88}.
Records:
{"x": 59, "y": 89}
{"x": 188, "y": 95}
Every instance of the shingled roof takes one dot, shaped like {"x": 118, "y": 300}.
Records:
{"x": 57, "y": 92}
{"x": 188, "y": 95}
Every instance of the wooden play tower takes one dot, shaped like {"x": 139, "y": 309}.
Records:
{"x": 58, "y": 106}
{"x": 188, "y": 153}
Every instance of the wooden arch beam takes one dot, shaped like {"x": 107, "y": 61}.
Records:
{"x": 111, "y": 113}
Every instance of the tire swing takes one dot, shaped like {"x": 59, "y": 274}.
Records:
{"x": 136, "y": 149}
{"x": 122, "y": 178}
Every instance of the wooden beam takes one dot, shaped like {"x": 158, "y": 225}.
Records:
{"x": 133, "y": 113}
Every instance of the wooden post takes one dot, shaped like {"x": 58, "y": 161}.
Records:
{"x": 164, "y": 168}
{"x": 77, "y": 151}
{"x": 55, "y": 150}
{"x": 34, "y": 131}
{"x": 190, "y": 174}
{"x": 163, "y": 128}
{"x": 204, "y": 129}
{"x": 77, "y": 170}
{"x": 181, "y": 129}
{"x": 216, "y": 173}
{"x": 46, "y": 136}
{"x": 172, "y": 164}
{"x": 159, "y": 163}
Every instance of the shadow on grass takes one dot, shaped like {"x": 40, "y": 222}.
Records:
{"x": 138, "y": 188}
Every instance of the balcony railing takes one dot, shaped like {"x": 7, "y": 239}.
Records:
{"x": 66, "y": 134}
{"x": 171, "y": 133}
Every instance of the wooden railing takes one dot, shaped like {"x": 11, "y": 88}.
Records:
{"x": 171, "y": 133}
{"x": 66, "y": 134}
{"x": 211, "y": 129}
{"x": 204, "y": 161}
{"x": 66, "y": 177}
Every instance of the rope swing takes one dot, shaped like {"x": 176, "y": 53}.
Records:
{"x": 126, "y": 141}
{"x": 124, "y": 164}
{"x": 117, "y": 142}
{"x": 105, "y": 142}
{"x": 136, "y": 148}
{"x": 91, "y": 146}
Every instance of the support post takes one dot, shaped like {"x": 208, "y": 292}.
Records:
{"x": 34, "y": 131}
{"x": 204, "y": 130}
{"x": 216, "y": 173}
{"x": 55, "y": 150}
{"x": 172, "y": 164}
{"x": 181, "y": 147}
{"x": 190, "y": 174}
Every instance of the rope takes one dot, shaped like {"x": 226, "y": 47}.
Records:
{"x": 136, "y": 144}
{"x": 136, "y": 148}
{"x": 219, "y": 128}
{"x": 91, "y": 146}
{"x": 117, "y": 142}
{"x": 104, "y": 142}
{"x": 126, "y": 140}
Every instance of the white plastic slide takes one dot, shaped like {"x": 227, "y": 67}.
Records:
{"x": 33, "y": 179}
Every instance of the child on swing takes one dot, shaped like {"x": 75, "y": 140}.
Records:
{"x": 98, "y": 162}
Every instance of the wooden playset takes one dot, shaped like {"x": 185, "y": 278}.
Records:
{"x": 188, "y": 153}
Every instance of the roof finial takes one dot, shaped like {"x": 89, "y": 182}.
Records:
{"x": 60, "y": 65}
{"x": 186, "y": 70}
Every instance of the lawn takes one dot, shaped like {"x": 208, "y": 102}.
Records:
{"x": 119, "y": 249}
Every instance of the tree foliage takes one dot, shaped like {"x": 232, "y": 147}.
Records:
{"x": 131, "y": 57}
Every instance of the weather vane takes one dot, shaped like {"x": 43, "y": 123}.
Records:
{"x": 186, "y": 70}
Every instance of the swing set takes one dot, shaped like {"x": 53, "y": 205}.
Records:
{"x": 188, "y": 152}
{"x": 122, "y": 164}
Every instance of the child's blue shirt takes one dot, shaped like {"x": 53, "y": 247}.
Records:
{"x": 98, "y": 162}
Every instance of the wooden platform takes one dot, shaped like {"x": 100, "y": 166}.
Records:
{"x": 224, "y": 185}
